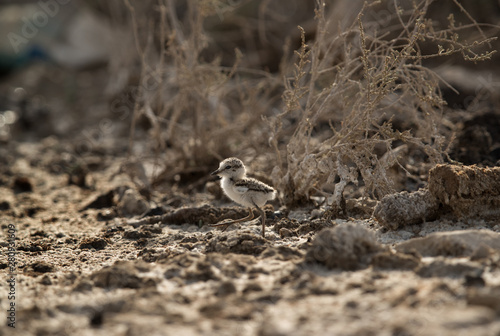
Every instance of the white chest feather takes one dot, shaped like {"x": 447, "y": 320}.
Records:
{"x": 229, "y": 189}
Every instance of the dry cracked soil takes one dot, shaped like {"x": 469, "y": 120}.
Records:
{"x": 97, "y": 255}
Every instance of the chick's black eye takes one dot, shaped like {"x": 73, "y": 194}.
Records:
{"x": 228, "y": 167}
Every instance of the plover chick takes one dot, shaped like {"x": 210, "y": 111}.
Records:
{"x": 243, "y": 190}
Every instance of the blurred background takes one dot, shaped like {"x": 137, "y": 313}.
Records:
{"x": 64, "y": 63}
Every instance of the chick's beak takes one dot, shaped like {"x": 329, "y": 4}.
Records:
{"x": 215, "y": 172}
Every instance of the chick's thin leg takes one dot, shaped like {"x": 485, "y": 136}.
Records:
{"x": 226, "y": 224}
{"x": 262, "y": 219}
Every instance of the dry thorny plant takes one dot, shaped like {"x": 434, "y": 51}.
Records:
{"x": 340, "y": 94}
{"x": 355, "y": 82}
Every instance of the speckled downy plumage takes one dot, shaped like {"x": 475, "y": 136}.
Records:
{"x": 243, "y": 190}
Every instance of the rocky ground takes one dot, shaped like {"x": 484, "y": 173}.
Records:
{"x": 97, "y": 257}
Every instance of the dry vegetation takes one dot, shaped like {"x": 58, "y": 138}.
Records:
{"x": 197, "y": 103}
{"x": 357, "y": 81}
{"x": 328, "y": 112}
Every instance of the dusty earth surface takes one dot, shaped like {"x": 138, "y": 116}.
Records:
{"x": 101, "y": 249}
{"x": 95, "y": 257}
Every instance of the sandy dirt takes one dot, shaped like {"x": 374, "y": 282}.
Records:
{"x": 100, "y": 259}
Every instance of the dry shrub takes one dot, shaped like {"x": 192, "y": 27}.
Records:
{"x": 199, "y": 110}
{"x": 345, "y": 89}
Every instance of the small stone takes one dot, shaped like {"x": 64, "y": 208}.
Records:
{"x": 22, "y": 184}
{"x": 346, "y": 247}
{"x": 42, "y": 267}
{"x": 95, "y": 242}
{"x": 226, "y": 288}
{"x": 132, "y": 204}
{"x": 472, "y": 280}
{"x": 404, "y": 208}
{"x": 45, "y": 280}
{"x": 284, "y": 232}
{"x": 106, "y": 215}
